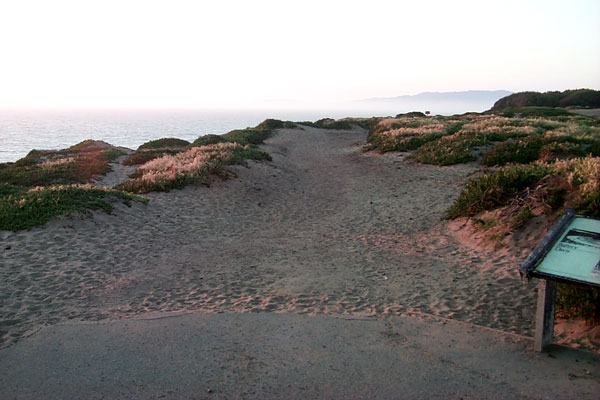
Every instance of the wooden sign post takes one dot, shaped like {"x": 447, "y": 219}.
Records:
{"x": 569, "y": 253}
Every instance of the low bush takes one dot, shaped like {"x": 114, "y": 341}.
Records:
{"x": 329, "y": 123}
{"x": 495, "y": 189}
{"x": 577, "y": 301}
{"x": 25, "y": 208}
{"x": 458, "y": 139}
{"x": 521, "y": 151}
{"x": 208, "y": 139}
{"x": 365, "y": 123}
{"x": 272, "y": 124}
{"x": 80, "y": 167}
{"x": 531, "y": 111}
{"x": 412, "y": 114}
{"x": 576, "y": 180}
{"x": 247, "y": 136}
{"x": 140, "y": 157}
{"x": 165, "y": 143}
{"x": 191, "y": 166}
{"x": 256, "y": 135}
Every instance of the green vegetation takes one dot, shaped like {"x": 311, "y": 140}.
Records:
{"x": 365, "y": 123}
{"x": 77, "y": 164}
{"x": 191, "y": 166}
{"x": 523, "y": 216}
{"x": 30, "y": 195}
{"x": 46, "y": 183}
{"x": 25, "y": 208}
{"x": 143, "y": 156}
{"x": 534, "y": 111}
{"x": 563, "y": 183}
{"x": 273, "y": 124}
{"x": 569, "y": 98}
{"x": 166, "y": 143}
{"x": 249, "y": 136}
{"x": 328, "y": 123}
{"x": 495, "y": 189}
{"x": 533, "y": 148}
{"x": 258, "y": 134}
{"x": 578, "y": 301}
{"x": 500, "y": 140}
{"x": 411, "y": 114}
{"x": 163, "y": 169}
{"x": 208, "y": 139}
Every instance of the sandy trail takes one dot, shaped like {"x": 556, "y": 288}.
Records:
{"x": 322, "y": 229}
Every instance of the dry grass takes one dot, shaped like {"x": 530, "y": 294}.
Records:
{"x": 191, "y": 166}
{"x": 456, "y": 139}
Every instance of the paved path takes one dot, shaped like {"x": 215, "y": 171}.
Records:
{"x": 289, "y": 356}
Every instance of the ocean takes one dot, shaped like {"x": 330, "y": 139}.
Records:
{"x": 24, "y": 130}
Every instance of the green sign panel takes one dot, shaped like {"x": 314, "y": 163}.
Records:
{"x": 575, "y": 255}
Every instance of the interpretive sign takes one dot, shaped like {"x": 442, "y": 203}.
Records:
{"x": 569, "y": 253}
{"x": 573, "y": 255}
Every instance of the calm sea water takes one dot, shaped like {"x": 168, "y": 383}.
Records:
{"x": 24, "y": 130}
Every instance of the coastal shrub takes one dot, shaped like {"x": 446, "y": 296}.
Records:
{"x": 165, "y": 143}
{"x": 578, "y": 301}
{"x": 35, "y": 175}
{"x": 191, "y": 166}
{"x": 446, "y": 150}
{"x": 329, "y": 123}
{"x": 523, "y": 216}
{"x": 272, "y": 124}
{"x": 576, "y": 183}
{"x": 457, "y": 139}
{"x": 7, "y": 190}
{"x": 89, "y": 145}
{"x": 154, "y": 149}
{"x": 240, "y": 154}
{"x": 247, "y": 136}
{"x": 568, "y": 98}
{"x": 521, "y": 151}
{"x": 495, "y": 189}
{"x": 557, "y": 143}
{"x": 80, "y": 163}
{"x": 91, "y": 164}
{"x": 531, "y": 111}
{"x": 404, "y": 133}
{"x": 80, "y": 168}
{"x": 139, "y": 157}
{"x": 251, "y": 136}
{"x": 258, "y": 134}
{"x": 365, "y": 123}
{"x": 412, "y": 114}
{"x": 445, "y": 140}
{"x": 555, "y": 197}
{"x": 208, "y": 139}
{"x": 583, "y": 177}
{"x": 25, "y": 208}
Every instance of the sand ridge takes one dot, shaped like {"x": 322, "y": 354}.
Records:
{"x": 321, "y": 229}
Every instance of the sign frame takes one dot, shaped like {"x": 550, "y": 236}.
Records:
{"x": 547, "y": 286}
{"x": 529, "y": 267}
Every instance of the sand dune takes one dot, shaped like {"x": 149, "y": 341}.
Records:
{"x": 322, "y": 229}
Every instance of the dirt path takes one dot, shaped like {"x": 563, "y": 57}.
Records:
{"x": 322, "y": 229}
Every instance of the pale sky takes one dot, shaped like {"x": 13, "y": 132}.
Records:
{"x": 219, "y": 53}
